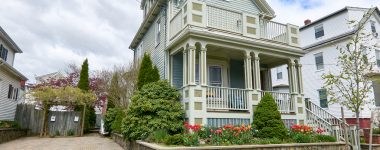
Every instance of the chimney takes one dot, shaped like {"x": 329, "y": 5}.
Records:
{"x": 307, "y": 22}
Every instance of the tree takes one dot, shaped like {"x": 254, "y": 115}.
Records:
{"x": 83, "y": 77}
{"x": 349, "y": 87}
{"x": 147, "y": 73}
{"x": 267, "y": 119}
{"x": 114, "y": 91}
{"x": 155, "y": 107}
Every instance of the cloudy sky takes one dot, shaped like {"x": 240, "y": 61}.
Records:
{"x": 55, "y": 33}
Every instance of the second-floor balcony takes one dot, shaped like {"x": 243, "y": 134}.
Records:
{"x": 229, "y": 22}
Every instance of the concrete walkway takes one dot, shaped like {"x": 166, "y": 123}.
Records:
{"x": 88, "y": 142}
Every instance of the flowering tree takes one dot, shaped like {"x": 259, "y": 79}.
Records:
{"x": 350, "y": 88}
{"x": 68, "y": 96}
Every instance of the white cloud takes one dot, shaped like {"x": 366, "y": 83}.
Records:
{"x": 55, "y": 33}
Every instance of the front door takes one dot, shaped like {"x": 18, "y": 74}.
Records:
{"x": 215, "y": 76}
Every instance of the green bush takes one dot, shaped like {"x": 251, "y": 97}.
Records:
{"x": 116, "y": 124}
{"x": 147, "y": 73}
{"x": 267, "y": 119}
{"x": 324, "y": 138}
{"x": 113, "y": 119}
{"x": 302, "y": 138}
{"x": 156, "y": 106}
{"x": 159, "y": 136}
{"x": 176, "y": 139}
{"x": 9, "y": 124}
{"x": 191, "y": 139}
{"x": 109, "y": 118}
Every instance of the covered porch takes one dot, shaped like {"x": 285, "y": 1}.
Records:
{"x": 225, "y": 79}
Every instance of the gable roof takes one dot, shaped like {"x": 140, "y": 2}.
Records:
{"x": 333, "y": 14}
{"x": 366, "y": 17}
{"x": 12, "y": 70}
{"x": 9, "y": 40}
{"x": 264, "y": 6}
{"x": 155, "y": 9}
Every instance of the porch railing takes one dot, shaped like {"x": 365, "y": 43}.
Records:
{"x": 284, "y": 103}
{"x": 232, "y": 21}
{"x": 222, "y": 98}
{"x": 273, "y": 31}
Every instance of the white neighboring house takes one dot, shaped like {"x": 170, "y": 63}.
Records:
{"x": 12, "y": 82}
{"x": 319, "y": 39}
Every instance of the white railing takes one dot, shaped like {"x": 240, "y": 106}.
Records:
{"x": 176, "y": 24}
{"x": 224, "y": 19}
{"x": 222, "y": 98}
{"x": 284, "y": 103}
{"x": 273, "y": 31}
{"x": 317, "y": 117}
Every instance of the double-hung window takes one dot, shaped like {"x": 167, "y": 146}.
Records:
{"x": 319, "y": 61}
{"x": 373, "y": 27}
{"x": 3, "y": 53}
{"x": 319, "y": 31}
{"x": 377, "y": 58}
{"x": 158, "y": 31}
{"x": 323, "y": 98}
{"x": 279, "y": 73}
{"x": 215, "y": 73}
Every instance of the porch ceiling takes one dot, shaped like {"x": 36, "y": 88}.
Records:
{"x": 272, "y": 61}
{"x": 220, "y": 51}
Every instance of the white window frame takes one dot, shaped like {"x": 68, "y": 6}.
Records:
{"x": 315, "y": 31}
{"x": 279, "y": 70}
{"x": 373, "y": 26}
{"x": 377, "y": 55}
{"x": 158, "y": 31}
{"x": 315, "y": 60}
{"x": 320, "y": 99}
{"x": 221, "y": 74}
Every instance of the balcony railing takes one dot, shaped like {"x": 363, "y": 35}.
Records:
{"x": 284, "y": 103}
{"x": 221, "y": 98}
{"x": 197, "y": 13}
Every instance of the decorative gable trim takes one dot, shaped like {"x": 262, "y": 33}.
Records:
{"x": 267, "y": 10}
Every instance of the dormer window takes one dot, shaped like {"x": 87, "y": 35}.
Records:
{"x": 3, "y": 52}
{"x": 319, "y": 31}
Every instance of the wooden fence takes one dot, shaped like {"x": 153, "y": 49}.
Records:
{"x": 59, "y": 122}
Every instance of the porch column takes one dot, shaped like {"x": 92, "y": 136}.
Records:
{"x": 299, "y": 75}
{"x": 191, "y": 65}
{"x": 269, "y": 72}
{"x": 185, "y": 80}
{"x": 292, "y": 77}
{"x": 248, "y": 70}
{"x": 256, "y": 72}
{"x": 203, "y": 66}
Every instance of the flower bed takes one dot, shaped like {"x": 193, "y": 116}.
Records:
{"x": 196, "y": 135}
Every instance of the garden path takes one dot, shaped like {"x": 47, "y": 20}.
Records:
{"x": 88, "y": 142}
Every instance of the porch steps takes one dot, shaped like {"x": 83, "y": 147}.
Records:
{"x": 317, "y": 117}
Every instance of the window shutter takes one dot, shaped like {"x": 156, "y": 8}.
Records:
{"x": 16, "y": 95}
{"x": 10, "y": 91}
{"x": 1, "y": 51}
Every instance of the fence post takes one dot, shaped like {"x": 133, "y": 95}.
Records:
{"x": 336, "y": 131}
